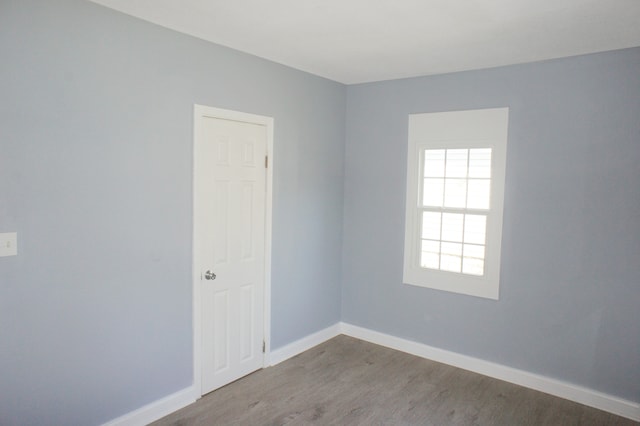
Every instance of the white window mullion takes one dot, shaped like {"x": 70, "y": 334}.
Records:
{"x": 444, "y": 180}
{"x": 466, "y": 202}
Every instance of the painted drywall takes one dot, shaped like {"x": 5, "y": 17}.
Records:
{"x": 95, "y": 175}
{"x": 570, "y": 276}
{"x": 96, "y": 116}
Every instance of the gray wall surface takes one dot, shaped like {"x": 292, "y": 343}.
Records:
{"x": 96, "y": 117}
{"x": 96, "y": 113}
{"x": 569, "y": 303}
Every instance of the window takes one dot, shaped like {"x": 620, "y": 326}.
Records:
{"x": 455, "y": 191}
{"x": 456, "y": 187}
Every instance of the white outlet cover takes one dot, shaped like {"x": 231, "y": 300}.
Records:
{"x": 8, "y": 244}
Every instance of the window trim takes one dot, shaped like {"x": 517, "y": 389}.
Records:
{"x": 485, "y": 128}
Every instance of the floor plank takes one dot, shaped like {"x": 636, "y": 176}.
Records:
{"x": 346, "y": 381}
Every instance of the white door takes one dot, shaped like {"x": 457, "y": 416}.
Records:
{"x": 229, "y": 243}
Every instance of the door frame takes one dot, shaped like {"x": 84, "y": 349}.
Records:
{"x": 199, "y": 112}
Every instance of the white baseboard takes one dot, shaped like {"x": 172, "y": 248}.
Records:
{"x": 157, "y": 409}
{"x": 167, "y": 405}
{"x": 592, "y": 398}
{"x": 306, "y": 343}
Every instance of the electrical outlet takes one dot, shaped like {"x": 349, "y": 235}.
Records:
{"x": 9, "y": 244}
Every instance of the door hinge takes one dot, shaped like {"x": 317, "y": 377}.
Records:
{"x": 266, "y": 161}
{"x": 264, "y": 347}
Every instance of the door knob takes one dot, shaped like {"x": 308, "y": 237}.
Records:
{"x": 209, "y": 275}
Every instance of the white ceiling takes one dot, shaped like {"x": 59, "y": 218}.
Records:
{"x": 356, "y": 41}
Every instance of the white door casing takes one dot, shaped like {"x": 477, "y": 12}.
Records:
{"x": 231, "y": 239}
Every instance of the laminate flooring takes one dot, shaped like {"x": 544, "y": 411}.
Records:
{"x": 346, "y": 381}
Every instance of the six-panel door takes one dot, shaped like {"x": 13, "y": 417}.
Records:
{"x": 230, "y": 224}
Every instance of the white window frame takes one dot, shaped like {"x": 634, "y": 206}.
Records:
{"x": 483, "y": 128}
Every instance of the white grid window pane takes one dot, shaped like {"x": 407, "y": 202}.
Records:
{"x": 431, "y": 225}
{"x": 432, "y": 192}
{"x": 452, "y": 226}
{"x": 430, "y": 254}
{"x": 475, "y": 229}
{"x": 479, "y": 194}
{"x": 473, "y": 260}
{"x": 455, "y": 179}
{"x": 451, "y": 257}
{"x": 455, "y": 193}
{"x": 457, "y": 163}
{"x": 434, "y": 162}
{"x": 480, "y": 163}
{"x": 473, "y": 266}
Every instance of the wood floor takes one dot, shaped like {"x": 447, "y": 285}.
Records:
{"x": 346, "y": 381}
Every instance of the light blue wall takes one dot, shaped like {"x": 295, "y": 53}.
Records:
{"x": 569, "y": 303}
{"x": 95, "y": 175}
{"x": 96, "y": 113}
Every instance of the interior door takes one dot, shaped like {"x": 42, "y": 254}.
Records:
{"x": 229, "y": 233}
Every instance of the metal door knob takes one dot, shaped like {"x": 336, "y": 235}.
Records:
{"x": 209, "y": 275}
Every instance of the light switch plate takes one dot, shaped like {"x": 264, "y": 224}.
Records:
{"x": 8, "y": 244}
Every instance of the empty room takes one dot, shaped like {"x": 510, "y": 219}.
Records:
{"x": 319, "y": 212}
